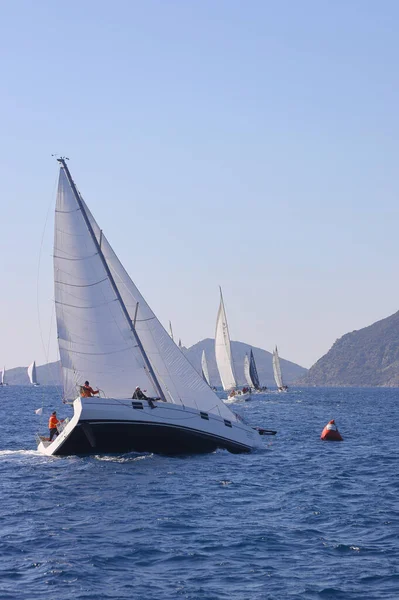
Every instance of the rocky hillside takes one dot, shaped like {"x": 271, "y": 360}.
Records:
{"x": 367, "y": 357}
{"x": 50, "y": 374}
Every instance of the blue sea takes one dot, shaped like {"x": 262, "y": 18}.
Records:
{"x": 300, "y": 519}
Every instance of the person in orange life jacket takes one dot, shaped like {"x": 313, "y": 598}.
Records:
{"x": 52, "y": 425}
{"x": 89, "y": 392}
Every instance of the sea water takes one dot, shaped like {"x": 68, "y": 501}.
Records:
{"x": 300, "y": 518}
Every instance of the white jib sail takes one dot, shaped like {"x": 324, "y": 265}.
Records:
{"x": 32, "y": 373}
{"x": 277, "y": 369}
{"x": 204, "y": 365}
{"x": 223, "y": 355}
{"x": 96, "y": 341}
{"x": 246, "y": 372}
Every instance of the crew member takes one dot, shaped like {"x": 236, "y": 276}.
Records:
{"x": 88, "y": 390}
{"x": 52, "y": 425}
{"x": 138, "y": 394}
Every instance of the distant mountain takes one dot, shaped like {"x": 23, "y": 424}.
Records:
{"x": 50, "y": 374}
{"x": 263, "y": 359}
{"x": 367, "y": 357}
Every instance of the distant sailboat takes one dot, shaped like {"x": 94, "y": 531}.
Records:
{"x": 170, "y": 330}
{"x": 3, "y": 377}
{"x": 204, "y": 366}
{"x": 251, "y": 372}
{"x": 277, "y": 372}
{"x": 224, "y": 358}
{"x": 108, "y": 335}
{"x": 32, "y": 374}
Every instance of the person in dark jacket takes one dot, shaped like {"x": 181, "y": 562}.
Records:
{"x": 139, "y": 395}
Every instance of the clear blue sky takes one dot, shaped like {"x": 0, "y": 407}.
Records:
{"x": 248, "y": 144}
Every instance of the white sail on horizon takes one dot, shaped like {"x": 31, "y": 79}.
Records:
{"x": 223, "y": 354}
{"x": 170, "y": 329}
{"x": 32, "y": 373}
{"x": 205, "y": 371}
{"x": 247, "y": 373}
{"x": 3, "y": 376}
{"x": 96, "y": 340}
{"x": 277, "y": 369}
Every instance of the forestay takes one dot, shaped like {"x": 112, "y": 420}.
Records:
{"x": 204, "y": 366}
{"x": 223, "y": 355}
{"x": 95, "y": 338}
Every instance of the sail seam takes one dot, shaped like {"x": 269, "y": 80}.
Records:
{"x": 67, "y": 257}
{"x": 86, "y": 307}
{"x": 81, "y": 285}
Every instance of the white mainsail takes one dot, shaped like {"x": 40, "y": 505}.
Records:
{"x": 223, "y": 355}
{"x": 247, "y": 373}
{"x": 32, "y": 373}
{"x": 170, "y": 329}
{"x": 107, "y": 333}
{"x": 204, "y": 365}
{"x": 3, "y": 376}
{"x": 277, "y": 369}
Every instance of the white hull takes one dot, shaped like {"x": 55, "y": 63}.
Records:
{"x": 239, "y": 397}
{"x": 107, "y": 425}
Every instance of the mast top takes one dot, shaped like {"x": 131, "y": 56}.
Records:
{"x": 61, "y": 159}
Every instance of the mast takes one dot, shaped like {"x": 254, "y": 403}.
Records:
{"x": 148, "y": 365}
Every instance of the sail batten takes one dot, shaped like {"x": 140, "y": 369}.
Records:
{"x": 223, "y": 354}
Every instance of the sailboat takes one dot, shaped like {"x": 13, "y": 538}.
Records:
{"x": 3, "y": 377}
{"x": 108, "y": 335}
{"x": 32, "y": 374}
{"x": 277, "y": 372}
{"x": 251, "y": 373}
{"x": 171, "y": 330}
{"x": 204, "y": 368}
{"x": 224, "y": 358}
